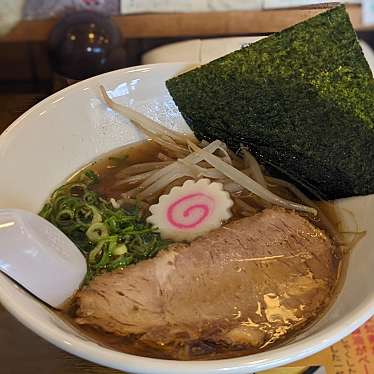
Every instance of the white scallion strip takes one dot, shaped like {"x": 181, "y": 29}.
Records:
{"x": 232, "y": 187}
{"x": 201, "y": 171}
{"x": 250, "y": 184}
{"x": 226, "y": 157}
{"x": 180, "y": 172}
{"x": 251, "y": 163}
{"x": 167, "y": 143}
{"x": 131, "y": 179}
{"x": 192, "y": 158}
{"x": 168, "y": 171}
{"x": 323, "y": 219}
{"x": 177, "y": 149}
{"x": 163, "y": 157}
{"x": 141, "y": 168}
{"x": 146, "y": 123}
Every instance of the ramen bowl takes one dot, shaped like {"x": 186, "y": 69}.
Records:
{"x": 71, "y": 128}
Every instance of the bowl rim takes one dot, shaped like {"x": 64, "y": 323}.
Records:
{"x": 123, "y": 361}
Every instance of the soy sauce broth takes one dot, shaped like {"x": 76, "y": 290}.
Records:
{"x": 109, "y": 165}
{"x": 107, "y": 168}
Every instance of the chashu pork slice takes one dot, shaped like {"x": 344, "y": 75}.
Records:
{"x": 248, "y": 283}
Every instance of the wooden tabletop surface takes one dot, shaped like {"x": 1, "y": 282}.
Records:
{"x": 23, "y": 352}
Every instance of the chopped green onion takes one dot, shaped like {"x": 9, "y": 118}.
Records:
{"x": 90, "y": 174}
{"x": 96, "y": 252}
{"x": 65, "y": 216}
{"x": 120, "y": 250}
{"x": 97, "y": 231}
{"x": 120, "y": 262}
{"x": 109, "y": 237}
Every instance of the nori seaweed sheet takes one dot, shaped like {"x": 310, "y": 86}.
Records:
{"x": 302, "y": 100}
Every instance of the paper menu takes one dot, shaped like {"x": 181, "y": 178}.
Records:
{"x": 352, "y": 355}
{"x": 144, "y": 6}
{"x": 267, "y": 4}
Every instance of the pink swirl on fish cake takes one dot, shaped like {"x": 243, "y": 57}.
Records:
{"x": 190, "y": 211}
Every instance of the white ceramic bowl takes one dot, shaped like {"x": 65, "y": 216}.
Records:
{"x": 72, "y": 127}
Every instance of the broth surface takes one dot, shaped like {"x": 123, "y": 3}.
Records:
{"x": 107, "y": 168}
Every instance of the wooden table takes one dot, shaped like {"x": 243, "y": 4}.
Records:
{"x": 23, "y": 352}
